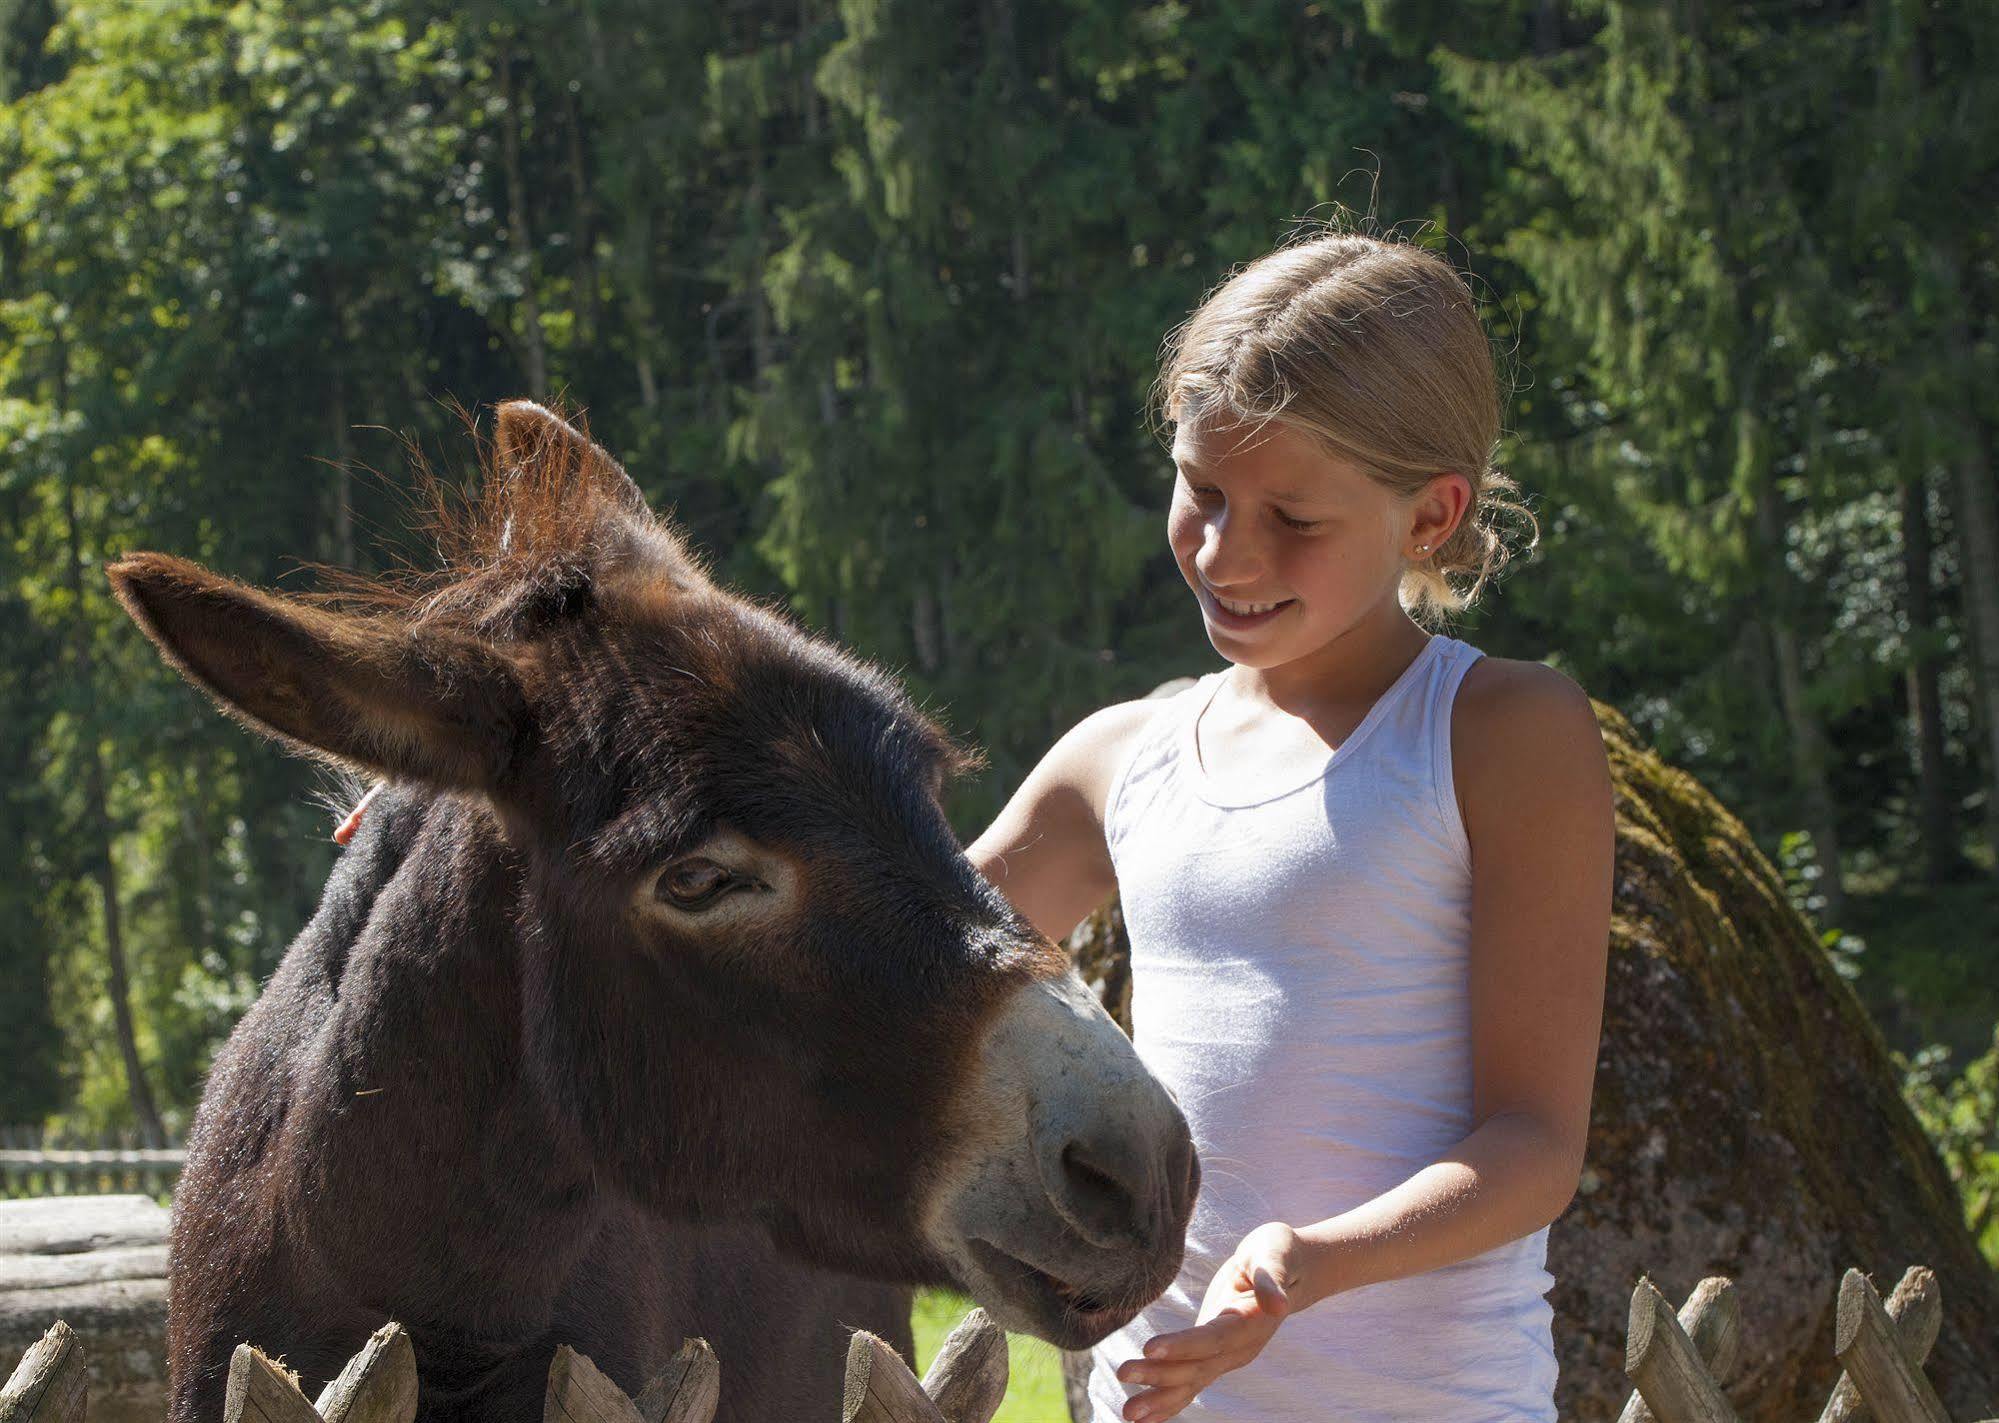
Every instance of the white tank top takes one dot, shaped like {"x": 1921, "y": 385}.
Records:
{"x": 1299, "y": 981}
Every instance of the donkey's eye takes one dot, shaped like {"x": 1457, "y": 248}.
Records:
{"x": 696, "y": 883}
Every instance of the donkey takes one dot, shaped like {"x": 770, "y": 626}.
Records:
{"x": 657, "y": 977}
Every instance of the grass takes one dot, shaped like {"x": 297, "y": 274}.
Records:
{"x": 1034, "y": 1381}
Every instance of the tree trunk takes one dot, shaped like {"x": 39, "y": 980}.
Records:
{"x": 1934, "y": 822}
{"x": 761, "y": 349}
{"x": 519, "y": 235}
{"x": 1547, "y": 28}
{"x": 1969, "y": 449}
{"x": 582, "y": 225}
{"x": 342, "y": 522}
{"x": 197, "y": 825}
{"x": 923, "y": 624}
{"x": 1809, "y": 758}
{"x": 97, "y": 818}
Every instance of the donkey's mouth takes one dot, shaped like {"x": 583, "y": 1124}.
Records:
{"x": 1068, "y": 1315}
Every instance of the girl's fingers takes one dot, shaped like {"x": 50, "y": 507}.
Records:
{"x": 1201, "y": 1342}
{"x": 1162, "y": 1374}
{"x": 1196, "y": 1374}
{"x": 1158, "y": 1405}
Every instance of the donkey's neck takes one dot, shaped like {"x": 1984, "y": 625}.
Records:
{"x": 429, "y": 1124}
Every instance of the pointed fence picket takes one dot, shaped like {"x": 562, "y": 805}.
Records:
{"x": 966, "y": 1384}
{"x": 1678, "y": 1362}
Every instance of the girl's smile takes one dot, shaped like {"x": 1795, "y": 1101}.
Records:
{"x": 1236, "y": 615}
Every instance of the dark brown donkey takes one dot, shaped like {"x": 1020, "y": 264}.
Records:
{"x": 659, "y": 923}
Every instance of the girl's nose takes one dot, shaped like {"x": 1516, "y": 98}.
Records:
{"x": 1227, "y": 554}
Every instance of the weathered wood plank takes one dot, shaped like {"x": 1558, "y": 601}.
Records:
{"x": 89, "y": 1267}
{"x": 1864, "y": 1341}
{"x": 262, "y": 1391}
{"x": 50, "y": 1384}
{"x": 880, "y": 1388}
{"x": 687, "y": 1390}
{"x": 1916, "y": 1307}
{"x": 967, "y": 1379}
{"x": 69, "y": 1225}
{"x": 1663, "y": 1363}
{"x": 379, "y": 1384}
{"x": 579, "y": 1392}
{"x": 1713, "y": 1325}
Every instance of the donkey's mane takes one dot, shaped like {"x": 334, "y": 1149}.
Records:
{"x": 527, "y": 536}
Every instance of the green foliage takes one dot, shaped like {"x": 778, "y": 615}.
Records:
{"x": 1961, "y": 1115}
{"x": 1800, "y": 867}
{"x": 870, "y": 293}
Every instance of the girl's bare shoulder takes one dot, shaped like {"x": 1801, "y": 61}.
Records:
{"x": 1518, "y": 724}
{"x": 1502, "y": 687}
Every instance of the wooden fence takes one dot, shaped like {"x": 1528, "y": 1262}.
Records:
{"x": 966, "y": 1384}
{"x": 31, "y": 1165}
{"x": 1678, "y": 1362}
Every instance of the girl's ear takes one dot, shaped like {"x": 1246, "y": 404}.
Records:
{"x": 1440, "y": 507}
{"x": 371, "y": 692}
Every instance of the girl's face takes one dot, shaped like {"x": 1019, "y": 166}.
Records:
{"x": 1286, "y": 546}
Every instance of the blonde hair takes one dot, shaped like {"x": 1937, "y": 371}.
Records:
{"x": 1372, "y": 347}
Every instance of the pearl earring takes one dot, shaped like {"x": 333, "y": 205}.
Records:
{"x": 1422, "y": 548}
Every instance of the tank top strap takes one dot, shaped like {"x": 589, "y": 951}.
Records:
{"x": 1153, "y": 749}
{"x": 1433, "y": 732}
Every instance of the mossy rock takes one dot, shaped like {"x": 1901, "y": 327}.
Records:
{"x": 1746, "y": 1122}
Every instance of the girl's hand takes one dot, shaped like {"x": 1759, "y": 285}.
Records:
{"x": 1246, "y": 1301}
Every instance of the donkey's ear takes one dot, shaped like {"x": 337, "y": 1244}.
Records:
{"x": 368, "y": 691}
{"x": 531, "y": 437}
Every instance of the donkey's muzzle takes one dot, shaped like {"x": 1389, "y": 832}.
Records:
{"x": 1073, "y": 1215}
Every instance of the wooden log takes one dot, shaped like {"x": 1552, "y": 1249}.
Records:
{"x": 99, "y": 1264}
{"x": 687, "y": 1390}
{"x": 1714, "y": 1326}
{"x": 1893, "y": 1388}
{"x": 967, "y": 1379}
{"x": 261, "y": 1391}
{"x": 378, "y": 1385}
{"x": 1665, "y": 1366}
{"x": 74, "y": 1224}
{"x": 1916, "y": 1307}
{"x": 50, "y": 1384}
{"x": 880, "y": 1388}
{"x": 579, "y": 1392}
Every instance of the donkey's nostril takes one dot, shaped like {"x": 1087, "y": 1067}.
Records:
{"x": 1097, "y": 1201}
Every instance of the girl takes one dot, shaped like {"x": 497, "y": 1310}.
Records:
{"x": 1366, "y": 872}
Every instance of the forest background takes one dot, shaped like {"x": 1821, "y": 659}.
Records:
{"x": 871, "y": 293}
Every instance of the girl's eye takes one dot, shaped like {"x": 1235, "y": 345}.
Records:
{"x": 697, "y": 883}
{"x": 1203, "y": 492}
{"x": 1301, "y": 524}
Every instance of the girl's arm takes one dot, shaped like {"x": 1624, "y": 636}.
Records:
{"x": 1534, "y": 788}
{"x": 1045, "y": 851}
